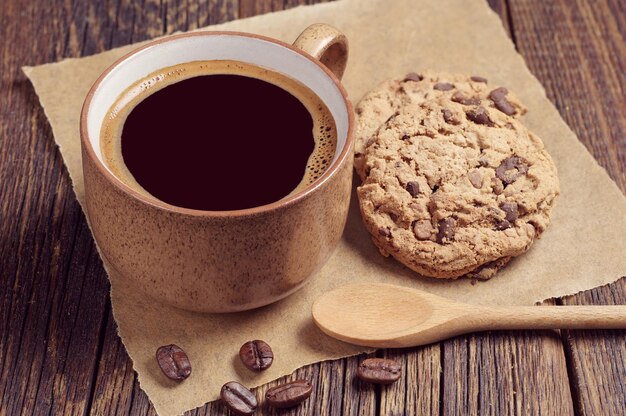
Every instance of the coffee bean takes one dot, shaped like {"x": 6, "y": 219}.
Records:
{"x": 511, "y": 168}
{"x": 510, "y": 208}
{"x": 476, "y": 78}
{"x": 413, "y": 188}
{"x": 413, "y": 76}
{"x": 447, "y": 227}
{"x": 379, "y": 371}
{"x": 173, "y": 362}
{"x": 238, "y": 399}
{"x": 443, "y": 86}
{"x": 449, "y": 117}
{"x": 256, "y": 355}
{"x": 498, "y": 96}
{"x": 289, "y": 394}
{"x": 479, "y": 115}
{"x": 459, "y": 97}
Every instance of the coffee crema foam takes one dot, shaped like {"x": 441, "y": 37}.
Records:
{"x": 324, "y": 129}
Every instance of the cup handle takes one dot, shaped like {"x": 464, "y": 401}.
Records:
{"x": 326, "y": 44}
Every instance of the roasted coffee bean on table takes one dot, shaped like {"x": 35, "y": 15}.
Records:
{"x": 238, "y": 398}
{"x": 379, "y": 371}
{"x": 289, "y": 394}
{"x": 173, "y": 362}
{"x": 256, "y": 355}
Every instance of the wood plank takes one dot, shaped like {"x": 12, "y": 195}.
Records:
{"x": 597, "y": 358}
{"x": 114, "y": 387}
{"x": 506, "y": 373}
{"x": 418, "y": 390}
{"x": 249, "y": 8}
{"x": 53, "y": 292}
{"x": 576, "y": 49}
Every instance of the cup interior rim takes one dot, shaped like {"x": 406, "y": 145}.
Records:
{"x": 281, "y": 203}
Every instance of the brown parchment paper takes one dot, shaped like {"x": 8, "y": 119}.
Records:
{"x": 582, "y": 249}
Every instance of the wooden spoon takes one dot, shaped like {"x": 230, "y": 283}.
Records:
{"x": 383, "y": 315}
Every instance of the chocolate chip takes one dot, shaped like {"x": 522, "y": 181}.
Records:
{"x": 423, "y": 229}
{"x": 510, "y": 208}
{"x": 413, "y": 76}
{"x": 476, "y": 179}
{"x": 459, "y": 97}
{"x": 256, "y": 355}
{"x": 393, "y": 216}
{"x": 173, "y": 362}
{"x": 511, "y": 168}
{"x": 503, "y": 225}
{"x": 479, "y": 115}
{"x": 446, "y": 230}
{"x": 405, "y": 137}
{"x": 498, "y": 96}
{"x": 498, "y": 93}
{"x": 443, "y": 86}
{"x": 476, "y": 78}
{"x": 449, "y": 117}
{"x": 384, "y": 232}
{"x": 413, "y": 188}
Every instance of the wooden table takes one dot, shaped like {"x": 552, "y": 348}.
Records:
{"x": 59, "y": 351}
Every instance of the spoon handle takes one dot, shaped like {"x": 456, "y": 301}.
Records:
{"x": 550, "y": 317}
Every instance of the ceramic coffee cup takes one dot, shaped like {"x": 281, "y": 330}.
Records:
{"x": 221, "y": 261}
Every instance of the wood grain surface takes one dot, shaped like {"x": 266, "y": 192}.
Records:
{"x": 59, "y": 350}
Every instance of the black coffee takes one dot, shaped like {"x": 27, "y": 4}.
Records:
{"x": 193, "y": 137}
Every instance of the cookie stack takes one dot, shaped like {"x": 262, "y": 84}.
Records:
{"x": 453, "y": 184}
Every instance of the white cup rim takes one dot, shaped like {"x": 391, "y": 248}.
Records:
{"x": 282, "y": 203}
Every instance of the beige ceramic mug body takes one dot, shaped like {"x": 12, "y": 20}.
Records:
{"x": 230, "y": 260}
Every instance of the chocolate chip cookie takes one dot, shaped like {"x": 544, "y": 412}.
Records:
{"x": 392, "y": 95}
{"x": 454, "y": 184}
